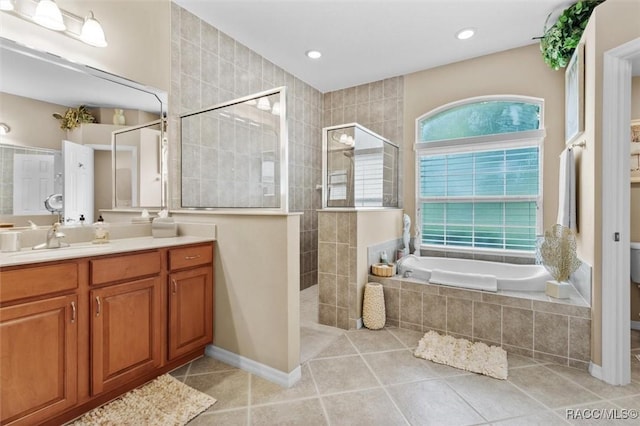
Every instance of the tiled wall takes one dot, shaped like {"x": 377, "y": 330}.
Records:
{"x": 377, "y": 106}
{"x": 337, "y": 279}
{"x": 209, "y": 67}
{"x": 550, "y": 331}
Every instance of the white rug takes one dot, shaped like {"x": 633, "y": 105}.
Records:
{"x": 164, "y": 401}
{"x": 461, "y": 353}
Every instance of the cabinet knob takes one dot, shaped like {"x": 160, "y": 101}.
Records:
{"x": 73, "y": 311}
{"x": 98, "y": 306}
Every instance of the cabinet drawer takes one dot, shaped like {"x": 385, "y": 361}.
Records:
{"x": 38, "y": 280}
{"x": 111, "y": 269}
{"x": 186, "y": 257}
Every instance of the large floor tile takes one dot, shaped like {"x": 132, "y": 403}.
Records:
{"x": 206, "y": 364}
{"x": 550, "y": 388}
{"x": 313, "y": 341}
{"x": 433, "y": 402}
{"x": 338, "y": 347}
{"x": 366, "y": 408}
{"x": 341, "y": 374}
{"x": 264, "y": 391}
{"x": 307, "y": 412}
{"x": 238, "y": 417}
{"x": 373, "y": 340}
{"x": 401, "y": 366}
{"x": 409, "y": 338}
{"x": 230, "y": 388}
{"x": 494, "y": 399}
{"x": 544, "y": 418}
{"x": 600, "y": 388}
{"x": 632, "y": 402}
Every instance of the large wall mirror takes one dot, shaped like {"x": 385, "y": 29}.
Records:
{"x": 116, "y": 162}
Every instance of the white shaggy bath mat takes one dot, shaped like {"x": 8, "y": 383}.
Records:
{"x": 461, "y": 353}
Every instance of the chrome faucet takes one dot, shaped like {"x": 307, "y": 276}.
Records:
{"x": 53, "y": 238}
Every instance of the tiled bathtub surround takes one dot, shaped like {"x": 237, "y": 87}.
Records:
{"x": 542, "y": 329}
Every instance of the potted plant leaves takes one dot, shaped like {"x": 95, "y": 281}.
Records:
{"x": 73, "y": 117}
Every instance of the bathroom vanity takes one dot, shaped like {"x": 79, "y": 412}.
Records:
{"x": 80, "y": 326}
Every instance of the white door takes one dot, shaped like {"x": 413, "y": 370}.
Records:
{"x": 33, "y": 178}
{"x": 78, "y": 182}
{"x": 150, "y": 186}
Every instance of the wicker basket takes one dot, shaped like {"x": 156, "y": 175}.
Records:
{"x": 383, "y": 270}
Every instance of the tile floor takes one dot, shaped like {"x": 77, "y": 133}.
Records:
{"x": 364, "y": 377}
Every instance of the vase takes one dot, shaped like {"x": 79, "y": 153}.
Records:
{"x": 118, "y": 117}
{"x": 373, "y": 311}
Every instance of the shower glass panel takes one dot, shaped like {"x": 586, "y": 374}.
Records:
{"x": 234, "y": 154}
{"x": 360, "y": 168}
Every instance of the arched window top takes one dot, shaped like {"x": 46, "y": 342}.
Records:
{"x": 480, "y": 117}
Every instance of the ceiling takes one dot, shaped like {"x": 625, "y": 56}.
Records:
{"x": 369, "y": 40}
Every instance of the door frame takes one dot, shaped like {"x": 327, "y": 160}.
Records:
{"x": 616, "y": 257}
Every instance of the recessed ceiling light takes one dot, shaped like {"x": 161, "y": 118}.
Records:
{"x": 465, "y": 34}
{"x": 313, "y": 54}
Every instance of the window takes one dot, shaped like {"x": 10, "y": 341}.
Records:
{"x": 478, "y": 165}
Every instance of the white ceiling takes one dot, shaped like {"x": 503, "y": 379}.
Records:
{"x": 369, "y": 40}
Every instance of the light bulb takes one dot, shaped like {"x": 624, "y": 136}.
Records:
{"x": 6, "y": 5}
{"x": 263, "y": 104}
{"x": 92, "y": 32}
{"x": 49, "y": 16}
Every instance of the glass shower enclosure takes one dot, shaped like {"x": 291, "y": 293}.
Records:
{"x": 360, "y": 168}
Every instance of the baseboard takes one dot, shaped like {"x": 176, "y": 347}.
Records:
{"x": 268, "y": 373}
{"x": 635, "y": 325}
{"x": 359, "y": 323}
{"x": 595, "y": 370}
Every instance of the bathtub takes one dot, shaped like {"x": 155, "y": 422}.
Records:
{"x": 474, "y": 274}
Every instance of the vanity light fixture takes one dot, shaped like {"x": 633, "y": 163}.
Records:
{"x": 276, "y": 108}
{"x": 49, "y": 16}
{"x": 465, "y": 34}
{"x": 7, "y": 5}
{"x": 92, "y": 32}
{"x": 313, "y": 54}
{"x": 46, "y": 13}
{"x": 263, "y": 104}
{"x": 4, "y": 128}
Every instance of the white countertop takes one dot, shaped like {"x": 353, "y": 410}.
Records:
{"x": 87, "y": 249}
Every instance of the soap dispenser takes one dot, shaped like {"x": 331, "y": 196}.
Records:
{"x": 100, "y": 233}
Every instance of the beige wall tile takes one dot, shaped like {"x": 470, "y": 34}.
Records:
{"x": 411, "y": 306}
{"x": 461, "y": 294}
{"x": 327, "y": 287}
{"x": 342, "y": 318}
{"x": 327, "y": 258}
{"x": 551, "y": 333}
{"x": 326, "y": 227}
{"x": 342, "y": 291}
{"x": 342, "y": 226}
{"x": 459, "y": 315}
{"x": 434, "y": 311}
{"x": 517, "y": 327}
{"x": 487, "y": 320}
{"x": 580, "y": 339}
{"x": 343, "y": 259}
{"x": 392, "y": 303}
{"x": 327, "y": 315}
{"x": 508, "y": 301}
{"x": 561, "y": 308}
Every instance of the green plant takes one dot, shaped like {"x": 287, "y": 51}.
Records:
{"x": 73, "y": 117}
{"x": 558, "y": 42}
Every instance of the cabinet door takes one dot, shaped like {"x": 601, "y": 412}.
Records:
{"x": 190, "y": 310}
{"x": 39, "y": 350}
{"x": 126, "y": 332}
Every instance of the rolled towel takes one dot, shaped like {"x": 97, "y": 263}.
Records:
{"x": 467, "y": 280}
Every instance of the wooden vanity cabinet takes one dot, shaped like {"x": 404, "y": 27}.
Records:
{"x": 126, "y": 318}
{"x": 76, "y": 334}
{"x": 190, "y": 299}
{"x": 38, "y": 344}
